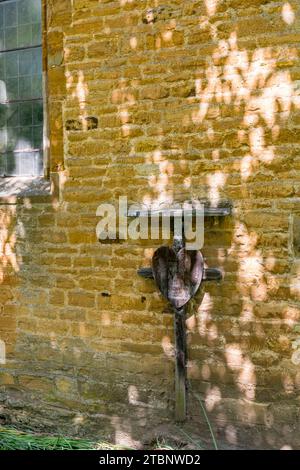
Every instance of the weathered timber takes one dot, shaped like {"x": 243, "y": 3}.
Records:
{"x": 208, "y": 212}
{"x": 178, "y": 275}
{"x": 180, "y": 364}
{"x": 209, "y": 274}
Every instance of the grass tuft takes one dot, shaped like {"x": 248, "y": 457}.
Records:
{"x": 207, "y": 421}
{"x": 11, "y": 439}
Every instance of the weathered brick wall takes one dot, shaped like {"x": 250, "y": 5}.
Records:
{"x": 189, "y": 99}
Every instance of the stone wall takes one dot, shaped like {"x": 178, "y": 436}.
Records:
{"x": 160, "y": 101}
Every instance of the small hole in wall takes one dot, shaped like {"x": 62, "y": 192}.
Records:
{"x": 143, "y": 299}
{"x": 3, "y": 419}
{"x": 82, "y": 124}
{"x": 192, "y": 92}
{"x": 105, "y": 294}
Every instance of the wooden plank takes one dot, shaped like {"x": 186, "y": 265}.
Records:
{"x": 208, "y": 212}
{"x": 180, "y": 364}
{"x": 210, "y": 274}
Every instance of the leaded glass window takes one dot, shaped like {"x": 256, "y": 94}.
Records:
{"x": 21, "y": 96}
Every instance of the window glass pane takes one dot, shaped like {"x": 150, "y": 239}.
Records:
{"x": 21, "y": 163}
{"x": 2, "y": 115}
{"x": 37, "y": 136}
{"x": 24, "y": 12}
{"x": 12, "y": 88}
{"x": 21, "y": 103}
{"x": 36, "y": 31}
{"x": 10, "y": 38}
{"x": 25, "y": 114}
{"x": 25, "y": 62}
{"x": 36, "y": 61}
{"x": 21, "y": 74}
{"x": 20, "y": 23}
{"x": 12, "y": 115}
{"x": 24, "y": 36}
{"x": 24, "y": 123}
{"x": 10, "y": 13}
{"x": 11, "y": 61}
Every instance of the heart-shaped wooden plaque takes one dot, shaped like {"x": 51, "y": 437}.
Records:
{"x": 178, "y": 275}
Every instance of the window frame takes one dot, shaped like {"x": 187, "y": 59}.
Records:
{"x": 44, "y": 158}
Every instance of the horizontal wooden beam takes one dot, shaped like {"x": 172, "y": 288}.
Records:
{"x": 208, "y": 212}
{"x": 210, "y": 274}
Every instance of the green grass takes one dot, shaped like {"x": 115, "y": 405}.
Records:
{"x": 12, "y": 439}
{"x": 207, "y": 420}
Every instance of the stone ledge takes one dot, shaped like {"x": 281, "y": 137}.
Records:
{"x": 15, "y": 190}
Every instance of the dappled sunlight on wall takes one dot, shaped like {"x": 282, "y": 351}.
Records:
{"x": 8, "y": 255}
{"x": 10, "y": 265}
{"x": 256, "y": 92}
{"x": 163, "y": 104}
{"x": 288, "y": 14}
{"x": 195, "y": 101}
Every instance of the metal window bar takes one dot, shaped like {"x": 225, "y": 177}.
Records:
{"x": 23, "y": 48}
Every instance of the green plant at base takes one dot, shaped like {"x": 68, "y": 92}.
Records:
{"x": 11, "y": 439}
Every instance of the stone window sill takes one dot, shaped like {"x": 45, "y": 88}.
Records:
{"x": 17, "y": 190}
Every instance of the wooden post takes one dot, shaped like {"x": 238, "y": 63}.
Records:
{"x": 180, "y": 348}
{"x": 180, "y": 364}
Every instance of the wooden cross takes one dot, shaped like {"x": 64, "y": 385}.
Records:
{"x": 179, "y": 273}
